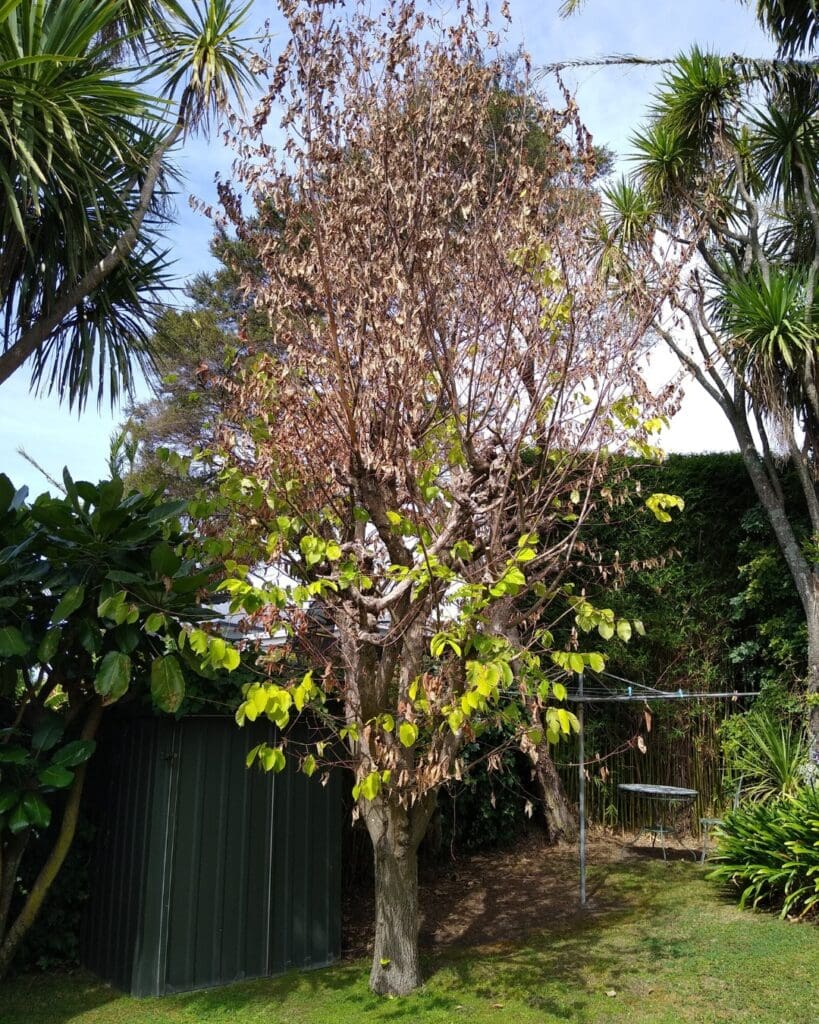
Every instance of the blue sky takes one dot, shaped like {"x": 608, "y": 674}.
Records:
{"x": 611, "y": 100}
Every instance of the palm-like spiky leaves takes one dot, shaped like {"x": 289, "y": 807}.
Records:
{"x": 794, "y": 24}
{"x": 82, "y": 164}
{"x": 205, "y": 60}
{"x": 785, "y": 141}
{"x": 769, "y": 320}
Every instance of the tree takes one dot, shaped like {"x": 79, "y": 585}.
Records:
{"x": 726, "y": 171}
{"x": 794, "y": 24}
{"x": 100, "y": 592}
{"x": 84, "y": 144}
{"x": 196, "y": 352}
{"x": 403, "y": 491}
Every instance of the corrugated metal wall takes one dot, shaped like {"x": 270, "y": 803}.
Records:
{"x": 206, "y": 872}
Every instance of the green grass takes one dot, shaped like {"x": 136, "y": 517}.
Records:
{"x": 668, "y": 947}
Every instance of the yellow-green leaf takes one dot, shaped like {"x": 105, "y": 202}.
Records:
{"x": 371, "y": 786}
{"x": 624, "y": 630}
{"x": 407, "y": 733}
{"x": 596, "y": 661}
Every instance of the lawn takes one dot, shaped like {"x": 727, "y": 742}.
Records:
{"x": 658, "y": 946}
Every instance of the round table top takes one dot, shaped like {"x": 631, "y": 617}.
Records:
{"x": 663, "y": 792}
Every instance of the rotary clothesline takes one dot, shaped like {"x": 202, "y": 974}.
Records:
{"x": 631, "y": 691}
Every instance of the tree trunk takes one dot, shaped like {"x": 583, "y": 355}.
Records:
{"x": 813, "y": 682}
{"x": 396, "y": 835}
{"x": 10, "y": 940}
{"x": 558, "y": 813}
{"x": 11, "y": 857}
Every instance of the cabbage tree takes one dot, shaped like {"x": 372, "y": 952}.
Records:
{"x": 726, "y": 172}
{"x": 93, "y": 96}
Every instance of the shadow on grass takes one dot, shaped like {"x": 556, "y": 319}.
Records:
{"x": 555, "y": 967}
{"x": 554, "y": 970}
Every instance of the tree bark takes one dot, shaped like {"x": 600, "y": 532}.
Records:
{"x": 12, "y": 854}
{"x": 813, "y": 680}
{"x": 38, "y": 333}
{"x": 558, "y": 813}
{"x": 62, "y": 844}
{"x": 396, "y": 834}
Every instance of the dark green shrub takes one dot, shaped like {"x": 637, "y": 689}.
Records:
{"x": 486, "y": 808}
{"x": 769, "y": 853}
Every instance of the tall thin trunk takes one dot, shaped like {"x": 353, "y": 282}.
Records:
{"x": 12, "y": 854}
{"x": 74, "y": 294}
{"x": 803, "y": 574}
{"x": 813, "y": 679}
{"x": 10, "y": 940}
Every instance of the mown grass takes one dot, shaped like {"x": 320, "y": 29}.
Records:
{"x": 661, "y": 947}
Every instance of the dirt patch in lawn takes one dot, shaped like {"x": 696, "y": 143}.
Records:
{"x": 493, "y": 898}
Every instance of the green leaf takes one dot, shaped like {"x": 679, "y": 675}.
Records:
{"x": 13, "y": 755}
{"x": 659, "y": 503}
{"x": 596, "y": 662}
{"x": 12, "y": 643}
{"x": 272, "y": 758}
{"x": 111, "y": 607}
{"x": 455, "y": 719}
{"x": 371, "y": 786}
{"x": 576, "y": 663}
{"x": 387, "y": 723}
{"x": 639, "y": 628}
{"x": 231, "y": 659}
{"x": 154, "y": 623}
{"x": 559, "y": 691}
{"x": 606, "y": 630}
{"x": 167, "y": 683}
{"x": 624, "y": 630}
{"x": 407, "y": 733}
{"x": 56, "y": 776}
{"x": 217, "y": 650}
{"x": 74, "y": 753}
{"x": 18, "y": 819}
{"x": 36, "y": 810}
{"x": 47, "y": 733}
{"x": 49, "y": 645}
{"x": 514, "y": 576}
{"x": 308, "y": 765}
{"x": 113, "y": 677}
{"x": 199, "y": 641}
{"x": 127, "y": 638}
{"x": 69, "y": 603}
{"x": 164, "y": 560}
{"x": 8, "y": 798}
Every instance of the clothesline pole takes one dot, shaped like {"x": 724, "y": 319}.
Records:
{"x": 581, "y": 778}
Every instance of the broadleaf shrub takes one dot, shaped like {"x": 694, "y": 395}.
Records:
{"x": 769, "y": 853}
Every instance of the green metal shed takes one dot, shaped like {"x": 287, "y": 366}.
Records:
{"x": 206, "y": 872}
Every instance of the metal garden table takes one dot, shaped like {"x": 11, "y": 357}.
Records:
{"x": 665, "y": 796}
